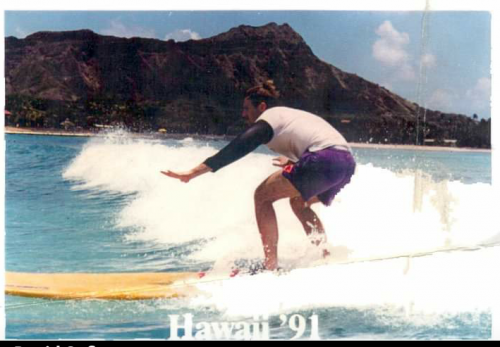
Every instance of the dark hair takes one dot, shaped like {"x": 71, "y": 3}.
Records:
{"x": 265, "y": 92}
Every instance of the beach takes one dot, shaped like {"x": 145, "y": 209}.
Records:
{"x": 84, "y": 133}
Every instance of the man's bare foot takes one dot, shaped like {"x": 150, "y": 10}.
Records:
{"x": 271, "y": 264}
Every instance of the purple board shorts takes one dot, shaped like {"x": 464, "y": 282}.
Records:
{"x": 322, "y": 173}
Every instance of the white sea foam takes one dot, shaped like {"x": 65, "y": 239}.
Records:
{"x": 380, "y": 213}
{"x": 413, "y": 289}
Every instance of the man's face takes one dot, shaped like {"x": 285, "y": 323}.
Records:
{"x": 250, "y": 112}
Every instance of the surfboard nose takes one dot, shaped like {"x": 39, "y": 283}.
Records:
{"x": 114, "y": 286}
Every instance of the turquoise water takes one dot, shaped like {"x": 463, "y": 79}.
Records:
{"x": 466, "y": 167}
{"x": 100, "y": 205}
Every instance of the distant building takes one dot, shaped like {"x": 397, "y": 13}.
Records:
{"x": 102, "y": 126}
{"x": 67, "y": 124}
{"x": 450, "y": 142}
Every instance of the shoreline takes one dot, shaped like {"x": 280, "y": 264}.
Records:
{"x": 46, "y": 132}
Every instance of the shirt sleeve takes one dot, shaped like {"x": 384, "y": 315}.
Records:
{"x": 259, "y": 133}
{"x": 273, "y": 117}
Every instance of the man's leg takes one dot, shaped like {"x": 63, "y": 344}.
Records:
{"x": 274, "y": 188}
{"x": 310, "y": 221}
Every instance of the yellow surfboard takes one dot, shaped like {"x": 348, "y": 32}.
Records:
{"x": 116, "y": 286}
{"x": 142, "y": 286}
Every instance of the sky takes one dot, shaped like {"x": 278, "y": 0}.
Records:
{"x": 439, "y": 59}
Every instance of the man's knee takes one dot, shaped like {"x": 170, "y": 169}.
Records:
{"x": 262, "y": 196}
{"x": 274, "y": 188}
{"x": 298, "y": 204}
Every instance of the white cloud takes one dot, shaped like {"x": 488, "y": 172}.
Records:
{"x": 390, "y": 50}
{"x": 119, "y": 29}
{"x": 183, "y": 35}
{"x": 441, "y": 100}
{"x": 475, "y": 100}
{"x": 405, "y": 72}
{"x": 480, "y": 94}
{"x": 428, "y": 60}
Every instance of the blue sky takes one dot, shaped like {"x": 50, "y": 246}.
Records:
{"x": 445, "y": 67}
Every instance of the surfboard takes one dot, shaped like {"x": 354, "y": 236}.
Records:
{"x": 409, "y": 255}
{"x": 143, "y": 286}
{"x": 116, "y": 286}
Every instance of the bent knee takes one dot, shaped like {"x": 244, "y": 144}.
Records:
{"x": 265, "y": 195}
{"x": 261, "y": 195}
{"x": 297, "y": 203}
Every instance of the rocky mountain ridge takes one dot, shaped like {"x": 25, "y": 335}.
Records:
{"x": 198, "y": 86}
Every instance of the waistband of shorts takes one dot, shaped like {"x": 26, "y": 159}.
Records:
{"x": 341, "y": 148}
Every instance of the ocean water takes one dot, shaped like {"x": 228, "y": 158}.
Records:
{"x": 101, "y": 205}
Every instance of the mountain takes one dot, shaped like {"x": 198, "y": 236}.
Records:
{"x": 198, "y": 86}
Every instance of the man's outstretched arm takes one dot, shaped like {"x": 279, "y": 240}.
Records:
{"x": 188, "y": 175}
{"x": 259, "y": 133}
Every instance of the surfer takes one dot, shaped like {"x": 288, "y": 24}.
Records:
{"x": 316, "y": 163}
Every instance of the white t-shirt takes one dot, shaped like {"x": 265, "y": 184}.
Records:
{"x": 297, "y": 131}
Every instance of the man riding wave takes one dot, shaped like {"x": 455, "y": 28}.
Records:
{"x": 316, "y": 163}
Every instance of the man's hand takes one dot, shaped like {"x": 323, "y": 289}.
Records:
{"x": 188, "y": 175}
{"x": 183, "y": 176}
{"x": 281, "y": 161}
